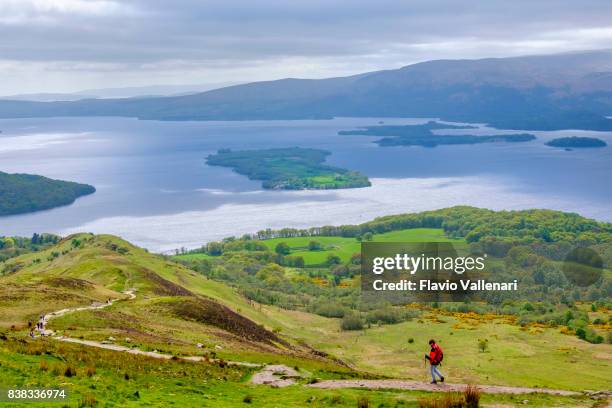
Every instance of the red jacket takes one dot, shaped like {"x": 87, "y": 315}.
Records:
{"x": 435, "y": 355}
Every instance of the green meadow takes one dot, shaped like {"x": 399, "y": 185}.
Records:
{"x": 101, "y": 378}
{"x": 346, "y": 247}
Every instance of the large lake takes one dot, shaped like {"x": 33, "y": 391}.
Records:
{"x": 154, "y": 188}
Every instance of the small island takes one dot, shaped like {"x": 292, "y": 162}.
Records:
{"x": 422, "y": 135}
{"x": 403, "y": 130}
{"x": 288, "y": 168}
{"x": 24, "y": 193}
{"x": 435, "y": 140}
{"x": 576, "y": 142}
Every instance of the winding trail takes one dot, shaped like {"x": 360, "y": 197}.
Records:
{"x": 115, "y": 347}
{"x": 96, "y": 305}
{"x": 281, "y": 375}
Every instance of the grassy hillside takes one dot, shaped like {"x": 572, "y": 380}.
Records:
{"x": 520, "y": 356}
{"x": 22, "y": 193}
{"x": 176, "y": 308}
{"x": 549, "y": 323}
{"x": 110, "y": 379}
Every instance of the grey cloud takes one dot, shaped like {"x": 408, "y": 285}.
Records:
{"x": 136, "y": 34}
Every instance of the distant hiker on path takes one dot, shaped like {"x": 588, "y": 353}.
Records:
{"x": 435, "y": 358}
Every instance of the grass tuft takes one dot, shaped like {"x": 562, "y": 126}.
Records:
{"x": 472, "y": 396}
{"x": 91, "y": 370}
{"x": 363, "y": 402}
{"x": 448, "y": 400}
{"x": 88, "y": 400}
{"x": 70, "y": 371}
{"x": 44, "y": 366}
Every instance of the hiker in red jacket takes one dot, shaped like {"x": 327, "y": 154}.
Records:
{"x": 435, "y": 358}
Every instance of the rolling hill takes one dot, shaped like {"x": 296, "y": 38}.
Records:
{"x": 571, "y": 90}
{"x": 175, "y": 308}
{"x": 180, "y": 313}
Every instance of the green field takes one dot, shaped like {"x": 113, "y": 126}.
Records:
{"x": 346, "y": 247}
{"x": 110, "y": 379}
{"x": 343, "y": 247}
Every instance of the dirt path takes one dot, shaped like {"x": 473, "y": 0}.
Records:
{"x": 153, "y": 354}
{"x": 110, "y": 346}
{"x": 282, "y": 376}
{"x": 421, "y": 386}
{"x": 96, "y": 305}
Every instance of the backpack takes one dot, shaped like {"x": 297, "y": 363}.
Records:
{"x": 439, "y": 355}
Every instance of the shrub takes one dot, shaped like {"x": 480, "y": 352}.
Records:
{"x": 363, "y": 402}
{"x": 472, "y": 396}
{"x": 70, "y": 371}
{"x": 88, "y": 400}
{"x": 314, "y": 246}
{"x": 91, "y": 371}
{"x": 483, "y": 345}
{"x": 340, "y": 271}
{"x": 329, "y": 309}
{"x": 352, "y": 321}
{"x": 247, "y": 399}
{"x": 411, "y": 340}
{"x": 333, "y": 259}
{"x": 448, "y": 400}
{"x": 591, "y": 336}
{"x": 387, "y": 315}
{"x": 56, "y": 369}
{"x": 282, "y": 248}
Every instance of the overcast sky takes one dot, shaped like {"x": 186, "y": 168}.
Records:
{"x": 70, "y": 45}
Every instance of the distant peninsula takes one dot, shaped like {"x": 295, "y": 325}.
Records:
{"x": 576, "y": 142}
{"x": 422, "y": 135}
{"x": 24, "y": 193}
{"x": 288, "y": 168}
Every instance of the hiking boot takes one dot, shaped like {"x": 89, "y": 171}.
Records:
{"x": 434, "y": 382}
{"x": 441, "y": 379}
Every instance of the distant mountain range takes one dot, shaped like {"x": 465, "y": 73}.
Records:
{"x": 125, "y": 92}
{"x": 571, "y": 90}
